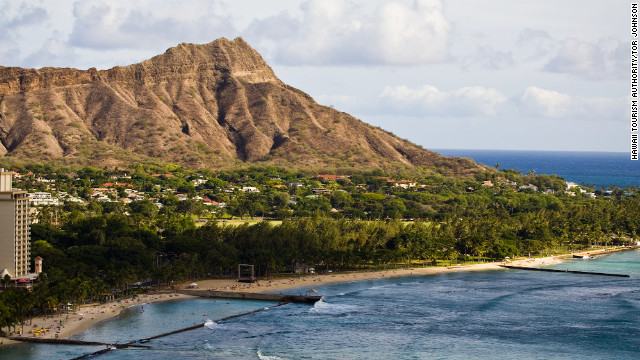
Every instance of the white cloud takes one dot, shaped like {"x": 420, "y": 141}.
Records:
{"x": 25, "y": 15}
{"x": 14, "y": 18}
{"x": 429, "y": 100}
{"x": 342, "y": 32}
{"x": 534, "y": 44}
{"x": 102, "y": 24}
{"x": 546, "y": 102}
{"x": 486, "y": 57}
{"x": 591, "y": 60}
{"x": 54, "y": 52}
{"x": 601, "y": 59}
{"x": 529, "y": 45}
{"x": 487, "y": 103}
{"x": 9, "y": 51}
{"x": 553, "y": 104}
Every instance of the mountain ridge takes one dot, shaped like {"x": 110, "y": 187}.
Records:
{"x": 210, "y": 105}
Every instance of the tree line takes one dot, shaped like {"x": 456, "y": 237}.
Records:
{"x": 96, "y": 251}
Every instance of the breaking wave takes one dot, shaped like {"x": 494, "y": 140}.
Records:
{"x": 211, "y": 325}
{"x": 266, "y": 357}
{"x": 322, "y": 307}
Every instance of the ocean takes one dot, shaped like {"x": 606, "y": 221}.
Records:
{"x": 498, "y": 314}
{"x": 600, "y": 169}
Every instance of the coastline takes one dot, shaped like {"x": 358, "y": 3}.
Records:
{"x": 87, "y": 315}
{"x": 291, "y": 282}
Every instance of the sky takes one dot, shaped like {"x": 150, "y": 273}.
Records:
{"x": 445, "y": 74}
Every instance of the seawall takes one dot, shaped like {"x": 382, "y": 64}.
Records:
{"x": 307, "y": 299}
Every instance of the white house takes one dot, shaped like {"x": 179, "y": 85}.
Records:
{"x": 571, "y": 185}
{"x": 42, "y": 198}
{"x": 72, "y": 199}
{"x": 198, "y": 182}
{"x": 405, "y": 184}
{"x": 250, "y": 189}
{"x": 529, "y": 186}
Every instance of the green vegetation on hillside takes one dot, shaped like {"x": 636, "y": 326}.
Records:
{"x": 101, "y": 245}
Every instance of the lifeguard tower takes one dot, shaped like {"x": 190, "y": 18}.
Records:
{"x": 246, "y": 273}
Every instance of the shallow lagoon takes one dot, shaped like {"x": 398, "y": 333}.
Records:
{"x": 490, "y": 314}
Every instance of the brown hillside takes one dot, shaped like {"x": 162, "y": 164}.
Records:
{"x": 212, "y": 105}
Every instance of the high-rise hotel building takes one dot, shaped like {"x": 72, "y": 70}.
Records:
{"x": 15, "y": 233}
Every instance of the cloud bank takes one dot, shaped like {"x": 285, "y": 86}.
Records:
{"x": 110, "y": 25}
{"x": 478, "y": 101}
{"x": 341, "y": 32}
{"x": 15, "y": 18}
{"x": 553, "y": 104}
{"x": 429, "y": 100}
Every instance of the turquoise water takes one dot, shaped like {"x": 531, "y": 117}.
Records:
{"x": 624, "y": 262}
{"x": 500, "y": 314}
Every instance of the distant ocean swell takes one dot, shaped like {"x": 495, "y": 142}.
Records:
{"x": 601, "y": 169}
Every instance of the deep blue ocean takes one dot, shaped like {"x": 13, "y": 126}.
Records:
{"x": 498, "y": 314}
{"x": 602, "y": 169}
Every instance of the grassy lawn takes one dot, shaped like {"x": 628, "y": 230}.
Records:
{"x": 237, "y": 222}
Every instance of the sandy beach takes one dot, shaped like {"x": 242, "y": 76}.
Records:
{"x": 64, "y": 325}
{"x": 314, "y": 280}
{"x": 84, "y": 316}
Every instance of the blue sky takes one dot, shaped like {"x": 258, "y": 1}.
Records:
{"x": 491, "y": 74}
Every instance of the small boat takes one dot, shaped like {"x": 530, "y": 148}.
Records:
{"x": 581, "y": 257}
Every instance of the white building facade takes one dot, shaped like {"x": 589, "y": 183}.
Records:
{"x": 43, "y": 198}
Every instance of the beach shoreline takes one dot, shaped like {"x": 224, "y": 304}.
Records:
{"x": 64, "y": 325}
{"x": 87, "y": 315}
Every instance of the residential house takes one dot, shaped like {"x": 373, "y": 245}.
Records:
{"x": 209, "y": 202}
{"x": 198, "y": 182}
{"x": 405, "y": 184}
{"x": 42, "y": 198}
{"x": 250, "y": 189}
{"x": 571, "y": 185}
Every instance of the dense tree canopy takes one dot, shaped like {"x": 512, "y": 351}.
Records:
{"x": 101, "y": 248}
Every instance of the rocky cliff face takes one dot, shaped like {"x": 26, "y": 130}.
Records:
{"x": 212, "y": 105}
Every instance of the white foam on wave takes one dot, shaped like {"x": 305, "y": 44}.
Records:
{"x": 322, "y": 307}
{"x": 211, "y": 325}
{"x": 266, "y": 357}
